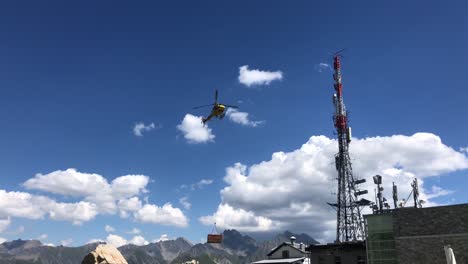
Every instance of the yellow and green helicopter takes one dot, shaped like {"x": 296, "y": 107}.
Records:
{"x": 218, "y": 110}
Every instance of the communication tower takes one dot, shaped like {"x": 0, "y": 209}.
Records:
{"x": 348, "y": 220}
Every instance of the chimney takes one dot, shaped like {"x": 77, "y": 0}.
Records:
{"x": 292, "y": 240}
{"x": 302, "y": 246}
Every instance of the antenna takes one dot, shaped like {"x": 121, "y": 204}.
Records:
{"x": 416, "y": 193}
{"x": 375, "y": 207}
{"x": 395, "y": 196}
{"x": 378, "y": 182}
{"x": 338, "y": 53}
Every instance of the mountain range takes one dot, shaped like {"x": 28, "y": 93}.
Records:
{"x": 235, "y": 249}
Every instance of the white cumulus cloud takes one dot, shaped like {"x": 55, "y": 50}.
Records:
{"x": 257, "y": 77}
{"x": 116, "y": 241}
{"x": 25, "y": 205}
{"x": 77, "y": 213}
{"x": 163, "y": 237}
{"x": 138, "y": 241}
{"x": 228, "y": 217}
{"x": 242, "y": 118}
{"x": 129, "y": 185}
{"x": 42, "y": 237}
{"x": 19, "y": 230}
{"x": 140, "y": 127}
{"x": 4, "y": 223}
{"x": 185, "y": 202}
{"x": 165, "y": 215}
{"x": 94, "y": 188}
{"x": 135, "y": 231}
{"x": 194, "y": 131}
{"x": 21, "y": 204}
{"x": 201, "y": 183}
{"x": 97, "y": 195}
{"x": 66, "y": 242}
{"x": 436, "y": 191}
{"x": 291, "y": 190}
{"x": 69, "y": 182}
{"x": 94, "y": 240}
{"x": 322, "y": 67}
{"x": 129, "y": 205}
{"x": 109, "y": 229}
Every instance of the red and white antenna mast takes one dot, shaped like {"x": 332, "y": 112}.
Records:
{"x": 349, "y": 220}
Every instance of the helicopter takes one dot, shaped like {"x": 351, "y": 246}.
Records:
{"x": 218, "y": 110}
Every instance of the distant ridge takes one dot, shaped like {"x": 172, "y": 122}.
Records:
{"x": 33, "y": 251}
{"x": 236, "y": 248}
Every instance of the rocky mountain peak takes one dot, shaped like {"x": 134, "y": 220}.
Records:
{"x": 300, "y": 238}
{"x": 238, "y": 243}
{"x": 19, "y": 245}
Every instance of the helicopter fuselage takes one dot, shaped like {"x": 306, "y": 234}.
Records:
{"x": 218, "y": 109}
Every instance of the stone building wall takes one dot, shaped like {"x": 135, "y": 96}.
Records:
{"x": 426, "y": 250}
{"x": 451, "y": 219}
{"x": 421, "y": 234}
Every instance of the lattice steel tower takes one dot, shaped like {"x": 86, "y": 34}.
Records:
{"x": 349, "y": 221}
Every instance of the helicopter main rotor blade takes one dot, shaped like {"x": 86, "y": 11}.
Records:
{"x": 338, "y": 52}
{"x": 201, "y": 106}
{"x": 216, "y": 96}
{"x": 231, "y": 106}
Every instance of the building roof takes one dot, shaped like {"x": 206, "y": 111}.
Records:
{"x": 280, "y": 261}
{"x": 285, "y": 244}
{"x": 341, "y": 245}
{"x": 432, "y": 208}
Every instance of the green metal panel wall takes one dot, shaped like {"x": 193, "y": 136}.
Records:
{"x": 380, "y": 239}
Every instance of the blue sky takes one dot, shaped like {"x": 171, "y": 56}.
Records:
{"x": 76, "y": 77}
